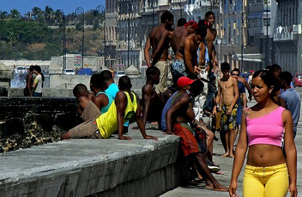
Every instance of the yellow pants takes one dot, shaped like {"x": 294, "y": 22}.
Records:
{"x": 265, "y": 181}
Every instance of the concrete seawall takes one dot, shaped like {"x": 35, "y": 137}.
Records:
{"x": 84, "y": 167}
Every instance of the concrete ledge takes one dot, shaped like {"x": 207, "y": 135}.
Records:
{"x": 82, "y": 167}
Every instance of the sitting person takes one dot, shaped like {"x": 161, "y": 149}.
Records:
{"x": 82, "y": 94}
{"x": 177, "y": 115}
{"x": 152, "y": 105}
{"x": 99, "y": 125}
{"x": 102, "y": 99}
{"x": 111, "y": 87}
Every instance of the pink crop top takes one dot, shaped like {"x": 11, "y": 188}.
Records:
{"x": 267, "y": 129}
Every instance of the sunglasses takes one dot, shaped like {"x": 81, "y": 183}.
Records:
{"x": 235, "y": 74}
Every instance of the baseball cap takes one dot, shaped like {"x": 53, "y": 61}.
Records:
{"x": 183, "y": 81}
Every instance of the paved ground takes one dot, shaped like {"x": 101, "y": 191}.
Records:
{"x": 226, "y": 167}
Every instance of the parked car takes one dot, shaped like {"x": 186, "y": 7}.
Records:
{"x": 120, "y": 73}
{"x": 85, "y": 71}
{"x": 69, "y": 72}
{"x": 297, "y": 79}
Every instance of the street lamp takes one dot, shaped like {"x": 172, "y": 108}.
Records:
{"x": 100, "y": 8}
{"x": 80, "y": 10}
{"x": 153, "y": 12}
{"x": 64, "y": 38}
{"x": 180, "y": 5}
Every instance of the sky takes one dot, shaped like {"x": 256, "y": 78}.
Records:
{"x": 68, "y": 6}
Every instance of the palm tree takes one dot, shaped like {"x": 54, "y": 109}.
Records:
{"x": 29, "y": 15}
{"x": 15, "y": 13}
{"x": 3, "y": 14}
{"x": 48, "y": 14}
{"x": 36, "y": 11}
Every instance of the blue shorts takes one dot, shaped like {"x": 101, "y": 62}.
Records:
{"x": 178, "y": 68}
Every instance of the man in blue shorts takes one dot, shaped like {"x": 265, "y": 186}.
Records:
{"x": 241, "y": 102}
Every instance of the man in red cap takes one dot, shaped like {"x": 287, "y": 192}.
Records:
{"x": 177, "y": 115}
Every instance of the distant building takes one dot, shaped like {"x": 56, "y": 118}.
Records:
{"x": 287, "y": 35}
{"x": 110, "y": 41}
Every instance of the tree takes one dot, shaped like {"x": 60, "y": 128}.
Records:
{"x": 3, "y": 14}
{"x": 48, "y": 14}
{"x": 29, "y": 15}
{"x": 36, "y": 11}
{"x": 15, "y": 13}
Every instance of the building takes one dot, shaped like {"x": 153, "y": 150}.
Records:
{"x": 129, "y": 34}
{"x": 110, "y": 40}
{"x": 287, "y": 35}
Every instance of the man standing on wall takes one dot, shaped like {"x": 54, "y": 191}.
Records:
{"x": 159, "y": 40}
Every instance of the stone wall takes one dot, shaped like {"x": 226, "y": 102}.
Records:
{"x": 104, "y": 167}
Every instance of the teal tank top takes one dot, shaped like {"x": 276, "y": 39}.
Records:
{"x": 110, "y": 99}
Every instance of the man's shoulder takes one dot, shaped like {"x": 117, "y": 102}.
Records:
{"x": 147, "y": 88}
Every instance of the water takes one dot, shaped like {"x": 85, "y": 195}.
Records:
{"x": 19, "y": 80}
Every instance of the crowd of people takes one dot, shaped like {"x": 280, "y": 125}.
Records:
{"x": 192, "y": 109}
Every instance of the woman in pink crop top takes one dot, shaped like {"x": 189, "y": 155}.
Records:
{"x": 265, "y": 128}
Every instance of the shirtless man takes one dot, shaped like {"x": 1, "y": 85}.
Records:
{"x": 83, "y": 96}
{"x": 178, "y": 113}
{"x": 227, "y": 95}
{"x": 177, "y": 34}
{"x": 28, "y": 90}
{"x": 178, "y": 65}
{"x": 159, "y": 40}
{"x": 246, "y": 84}
{"x": 211, "y": 62}
{"x": 152, "y": 106}
{"x": 211, "y": 36}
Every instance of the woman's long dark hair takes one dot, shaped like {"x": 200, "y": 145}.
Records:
{"x": 269, "y": 79}
{"x": 38, "y": 69}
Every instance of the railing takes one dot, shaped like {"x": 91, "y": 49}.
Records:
{"x": 283, "y": 33}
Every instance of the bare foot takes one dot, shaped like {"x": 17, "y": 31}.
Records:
{"x": 232, "y": 156}
{"x": 154, "y": 123}
{"x": 209, "y": 185}
{"x": 219, "y": 188}
{"x": 225, "y": 154}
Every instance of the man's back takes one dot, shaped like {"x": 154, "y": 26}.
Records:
{"x": 293, "y": 103}
{"x": 177, "y": 40}
{"x": 160, "y": 43}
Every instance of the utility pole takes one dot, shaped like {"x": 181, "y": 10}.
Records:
{"x": 267, "y": 37}
{"x": 242, "y": 34}
{"x": 128, "y": 8}
{"x": 180, "y": 8}
{"x": 64, "y": 39}
{"x": 153, "y": 11}
{"x": 80, "y": 10}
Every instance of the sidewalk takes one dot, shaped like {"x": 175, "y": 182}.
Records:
{"x": 226, "y": 165}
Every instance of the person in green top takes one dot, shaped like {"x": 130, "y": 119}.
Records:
{"x": 103, "y": 125}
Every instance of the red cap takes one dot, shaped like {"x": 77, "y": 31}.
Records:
{"x": 191, "y": 23}
{"x": 183, "y": 81}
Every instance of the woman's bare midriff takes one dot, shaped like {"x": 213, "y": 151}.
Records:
{"x": 262, "y": 155}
